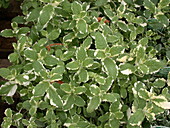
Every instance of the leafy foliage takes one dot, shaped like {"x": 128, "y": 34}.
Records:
{"x": 88, "y": 64}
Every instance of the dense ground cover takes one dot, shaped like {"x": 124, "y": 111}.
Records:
{"x": 94, "y": 63}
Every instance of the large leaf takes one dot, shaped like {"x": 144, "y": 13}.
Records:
{"x": 110, "y": 67}
{"x": 100, "y": 41}
{"x": 93, "y": 104}
{"x": 7, "y": 33}
{"x": 162, "y": 19}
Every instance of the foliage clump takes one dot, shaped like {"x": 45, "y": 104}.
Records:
{"x": 88, "y": 64}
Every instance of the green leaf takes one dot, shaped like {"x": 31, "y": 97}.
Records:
{"x": 116, "y": 50}
{"x": 115, "y": 106}
{"x": 163, "y": 3}
{"x": 17, "y": 116}
{"x": 112, "y": 38}
{"x": 100, "y": 79}
{"x": 54, "y": 98}
{"x": 7, "y": 33}
{"x": 54, "y": 34}
{"x": 66, "y": 88}
{"x": 93, "y": 104}
{"x": 79, "y": 101}
{"x": 148, "y": 4}
{"x": 69, "y": 103}
{"x": 8, "y": 89}
{"x": 87, "y": 42}
{"x": 114, "y": 123}
{"x": 104, "y": 117}
{"x": 23, "y": 30}
{"x": 37, "y": 66}
{"x": 95, "y": 90}
{"x": 79, "y": 90}
{"x": 41, "y": 88}
{"x": 34, "y": 14}
{"x": 8, "y": 112}
{"x": 81, "y": 54}
{"x": 126, "y": 68}
{"x": 118, "y": 115}
{"x": 4, "y": 72}
{"x": 83, "y": 75}
{"x": 45, "y": 15}
{"x": 159, "y": 83}
{"x": 30, "y": 54}
{"x": 99, "y": 54}
{"x": 82, "y": 26}
{"x": 143, "y": 41}
{"x": 100, "y": 2}
{"x": 108, "y": 84}
{"x": 162, "y": 19}
{"x": 110, "y": 97}
{"x": 100, "y": 41}
{"x": 136, "y": 118}
{"x": 76, "y": 7}
{"x": 143, "y": 68}
{"x": 154, "y": 65}
{"x": 13, "y": 57}
{"x": 60, "y": 69}
{"x": 144, "y": 94}
{"x": 73, "y": 65}
{"x": 69, "y": 37}
{"x": 88, "y": 62}
{"x": 122, "y": 25}
{"x": 50, "y": 60}
{"x": 110, "y": 67}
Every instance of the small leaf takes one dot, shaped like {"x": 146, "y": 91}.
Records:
{"x": 83, "y": 75}
{"x": 114, "y": 123}
{"x": 79, "y": 90}
{"x": 76, "y": 7}
{"x": 154, "y": 65}
{"x": 69, "y": 103}
{"x": 30, "y": 54}
{"x": 148, "y": 4}
{"x": 41, "y": 88}
{"x": 50, "y": 60}
{"x": 87, "y": 42}
{"x": 7, "y": 33}
{"x": 110, "y": 97}
{"x": 73, "y": 65}
{"x": 126, "y": 68}
{"x": 112, "y": 38}
{"x": 116, "y": 50}
{"x": 69, "y": 37}
{"x": 54, "y": 98}
{"x": 37, "y": 66}
{"x": 13, "y": 57}
{"x": 54, "y": 34}
{"x": 137, "y": 118}
{"x": 4, "y": 72}
{"x": 93, "y": 104}
{"x": 110, "y": 67}
{"x": 8, "y": 112}
{"x": 163, "y": 3}
{"x": 81, "y": 54}
{"x": 144, "y": 94}
{"x": 45, "y": 15}
{"x": 159, "y": 83}
{"x": 143, "y": 68}
{"x": 162, "y": 19}
{"x": 122, "y": 25}
{"x": 66, "y": 87}
{"x": 88, "y": 62}
{"x": 95, "y": 90}
{"x": 82, "y": 26}
{"x": 79, "y": 101}
{"x": 34, "y": 14}
{"x": 100, "y": 41}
